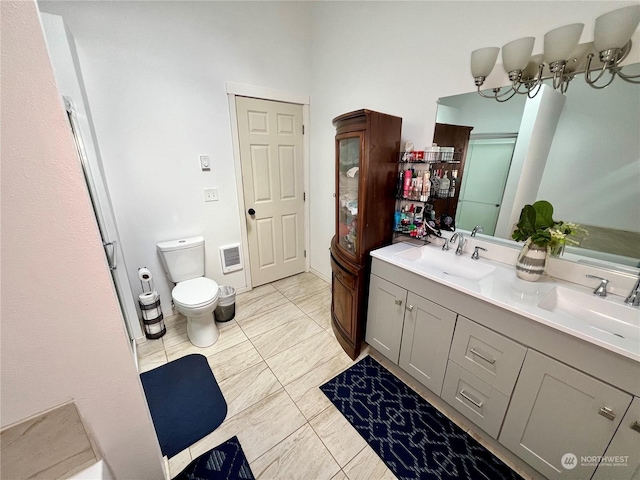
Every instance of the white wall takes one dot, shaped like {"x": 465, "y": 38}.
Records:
{"x": 399, "y": 58}
{"x": 62, "y": 333}
{"x": 155, "y": 76}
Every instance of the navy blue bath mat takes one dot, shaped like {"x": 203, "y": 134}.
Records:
{"x": 185, "y": 401}
{"x": 411, "y": 436}
{"x": 225, "y": 462}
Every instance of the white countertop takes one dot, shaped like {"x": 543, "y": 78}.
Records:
{"x": 505, "y": 290}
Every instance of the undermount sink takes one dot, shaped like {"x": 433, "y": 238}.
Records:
{"x": 598, "y": 313}
{"x": 433, "y": 260}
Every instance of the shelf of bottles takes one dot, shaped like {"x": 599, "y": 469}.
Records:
{"x": 425, "y": 180}
{"x": 348, "y": 175}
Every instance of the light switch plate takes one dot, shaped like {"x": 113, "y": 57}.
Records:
{"x": 205, "y": 162}
{"x": 210, "y": 194}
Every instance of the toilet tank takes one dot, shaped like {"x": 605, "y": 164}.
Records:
{"x": 183, "y": 259}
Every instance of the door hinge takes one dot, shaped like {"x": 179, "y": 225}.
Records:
{"x": 304, "y": 196}
{"x": 305, "y": 254}
{"x": 303, "y": 129}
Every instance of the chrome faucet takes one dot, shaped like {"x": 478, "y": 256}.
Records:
{"x": 460, "y": 237}
{"x": 477, "y": 229}
{"x": 634, "y": 297}
{"x": 475, "y": 255}
{"x": 601, "y": 290}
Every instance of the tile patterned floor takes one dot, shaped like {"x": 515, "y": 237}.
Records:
{"x": 269, "y": 362}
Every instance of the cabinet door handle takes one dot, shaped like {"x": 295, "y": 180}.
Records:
{"x": 606, "y": 412}
{"x": 475, "y": 402}
{"x": 486, "y": 359}
{"x": 635, "y": 426}
{"x": 410, "y": 308}
{"x": 398, "y": 302}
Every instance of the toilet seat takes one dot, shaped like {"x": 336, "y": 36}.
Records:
{"x": 195, "y": 293}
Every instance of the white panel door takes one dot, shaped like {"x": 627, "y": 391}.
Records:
{"x": 270, "y": 136}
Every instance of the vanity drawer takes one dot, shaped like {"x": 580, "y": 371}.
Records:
{"x": 491, "y": 357}
{"x": 479, "y": 402}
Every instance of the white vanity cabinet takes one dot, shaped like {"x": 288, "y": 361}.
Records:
{"x": 385, "y": 317}
{"x": 622, "y": 458}
{"x": 426, "y": 338}
{"x": 558, "y": 412}
{"x": 540, "y": 392}
{"x": 410, "y": 330}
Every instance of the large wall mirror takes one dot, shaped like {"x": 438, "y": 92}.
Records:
{"x": 591, "y": 174}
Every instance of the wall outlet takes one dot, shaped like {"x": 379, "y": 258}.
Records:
{"x": 205, "y": 162}
{"x": 211, "y": 195}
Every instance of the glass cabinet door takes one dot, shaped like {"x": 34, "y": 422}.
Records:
{"x": 348, "y": 159}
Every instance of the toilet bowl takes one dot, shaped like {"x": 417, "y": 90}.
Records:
{"x": 194, "y": 295}
{"x": 196, "y": 299}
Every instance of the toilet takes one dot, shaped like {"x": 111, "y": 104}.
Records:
{"x": 194, "y": 295}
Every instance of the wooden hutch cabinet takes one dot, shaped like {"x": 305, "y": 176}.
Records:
{"x": 367, "y": 145}
{"x": 456, "y": 136}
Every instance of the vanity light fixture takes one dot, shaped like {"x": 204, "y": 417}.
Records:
{"x": 563, "y": 57}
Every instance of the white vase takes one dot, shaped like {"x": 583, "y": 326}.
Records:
{"x": 531, "y": 262}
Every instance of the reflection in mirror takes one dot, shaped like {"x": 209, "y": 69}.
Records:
{"x": 591, "y": 175}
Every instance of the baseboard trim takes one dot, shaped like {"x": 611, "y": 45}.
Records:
{"x": 318, "y": 274}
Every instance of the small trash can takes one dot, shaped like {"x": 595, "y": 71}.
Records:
{"x": 226, "y": 308}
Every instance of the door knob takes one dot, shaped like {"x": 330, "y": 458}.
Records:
{"x": 251, "y": 212}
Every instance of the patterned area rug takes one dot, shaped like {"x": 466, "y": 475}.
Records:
{"x": 412, "y": 437}
{"x": 225, "y": 462}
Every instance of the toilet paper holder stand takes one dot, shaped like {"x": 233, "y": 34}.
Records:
{"x": 152, "y": 316}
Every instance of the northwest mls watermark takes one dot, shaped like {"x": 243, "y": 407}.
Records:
{"x": 570, "y": 461}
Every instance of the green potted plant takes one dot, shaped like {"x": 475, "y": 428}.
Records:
{"x": 542, "y": 235}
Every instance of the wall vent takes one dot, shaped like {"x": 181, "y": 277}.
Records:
{"x": 231, "y": 258}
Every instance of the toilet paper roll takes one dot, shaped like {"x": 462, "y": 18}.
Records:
{"x": 144, "y": 275}
{"x": 149, "y": 298}
{"x": 154, "y": 328}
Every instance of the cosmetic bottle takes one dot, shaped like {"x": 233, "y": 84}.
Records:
{"x": 443, "y": 189}
{"x": 426, "y": 186}
{"x": 396, "y": 221}
{"x": 435, "y": 183}
{"x": 407, "y": 183}
{"x": 454, "y": 181}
